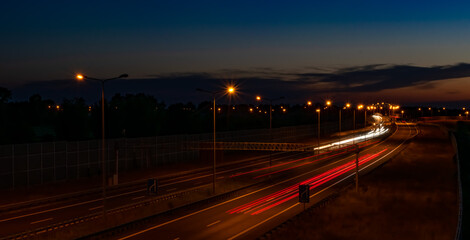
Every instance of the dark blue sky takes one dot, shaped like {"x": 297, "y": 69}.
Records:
{"x": 53, "y": 40}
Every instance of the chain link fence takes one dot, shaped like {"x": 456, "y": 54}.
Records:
{"x": 38, "y": 163}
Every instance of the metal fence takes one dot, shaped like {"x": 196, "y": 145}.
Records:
{"x": 38, "y": 163}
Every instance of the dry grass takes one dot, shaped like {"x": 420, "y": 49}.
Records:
{"x": 414, "y": 196}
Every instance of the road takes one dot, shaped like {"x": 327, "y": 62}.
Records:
{"x": 250, "y": 215}
{"x": 44, "y": 215}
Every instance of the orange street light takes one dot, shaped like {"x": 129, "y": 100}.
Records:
{"x": 309, "y": 103}
{"x": 328, "y": 103}
{"x": 348, "y": 105}
{"x": 81, "y": 77}
{"x": 231, "y": 90}
{"x": 258, "y": 98}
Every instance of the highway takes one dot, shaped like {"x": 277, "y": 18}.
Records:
{"x": 285, "y": 164}
{"x": 252, "y": 214}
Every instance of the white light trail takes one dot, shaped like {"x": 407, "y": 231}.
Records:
{"x": 371, "y": 134}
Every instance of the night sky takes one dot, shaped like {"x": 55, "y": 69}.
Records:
{"x": 306, "y": 45}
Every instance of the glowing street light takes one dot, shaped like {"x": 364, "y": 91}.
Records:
{"x": 270, "y": 120}
{"x": 81, "y": 77}
{"x": 318, "y": 135}
{"x": 230, "y": 90}
{"x": 346, "y": 107}
{"x": 328, "y": 103}
{"x": 309, "y": 103}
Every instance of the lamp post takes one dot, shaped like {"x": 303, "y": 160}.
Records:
{"x": 345, "y": 107}
{"x": 229, "y": 90}
{"x": 318, "y": 135}
{"x": 81, "y": 77}
{"x": 365, "y": 117}
{"x": 359, "y": 107}
{"x": 259, "y": 98}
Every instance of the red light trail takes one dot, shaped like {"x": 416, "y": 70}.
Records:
{"x": 262, "y": 204}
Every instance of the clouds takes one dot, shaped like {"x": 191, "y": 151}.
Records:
{"x": 353, "y": 83}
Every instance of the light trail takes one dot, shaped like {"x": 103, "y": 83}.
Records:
{"x": 346, "y": 148}
{"x": 371, "y": 134}
{"x": 359, "y": 139}
{"x": 265, "y": 203}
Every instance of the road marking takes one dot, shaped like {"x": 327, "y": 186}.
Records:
{"x": 138, "y": 197}
{"x": 234, "y": 199}
{"x": 68, "y": 206}
{"x": 231, "y": 200}
{"x": 220, "y": 177}
{"x": 214, "y": 223}
{"x": 47, "y": 219}
{"x": 177, "y": 238}
{"x": 287, "y": 209}
{"x": 94, "y": 208}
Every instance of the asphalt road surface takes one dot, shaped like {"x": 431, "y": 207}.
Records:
{"x": 23, "y": 219}
{"x": 263, "y": 208}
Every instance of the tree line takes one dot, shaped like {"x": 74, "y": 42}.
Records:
{"x": 131, "y": 115}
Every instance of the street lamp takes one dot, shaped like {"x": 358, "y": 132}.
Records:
{"x": 345, "y": 107}
{"x": 229, "y": 90}
{"x": 81, "y": 77}
{"x": 466, "y": 115}
{"x": 359, "y": 107}
{"x": 270, "y": 120}
{"x": 318, "y": 135}
{"x": 270, "y": 100}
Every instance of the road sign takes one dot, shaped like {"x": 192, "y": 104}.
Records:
{"x": 304, "y": 193}
{"x": 152, "y": 186}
